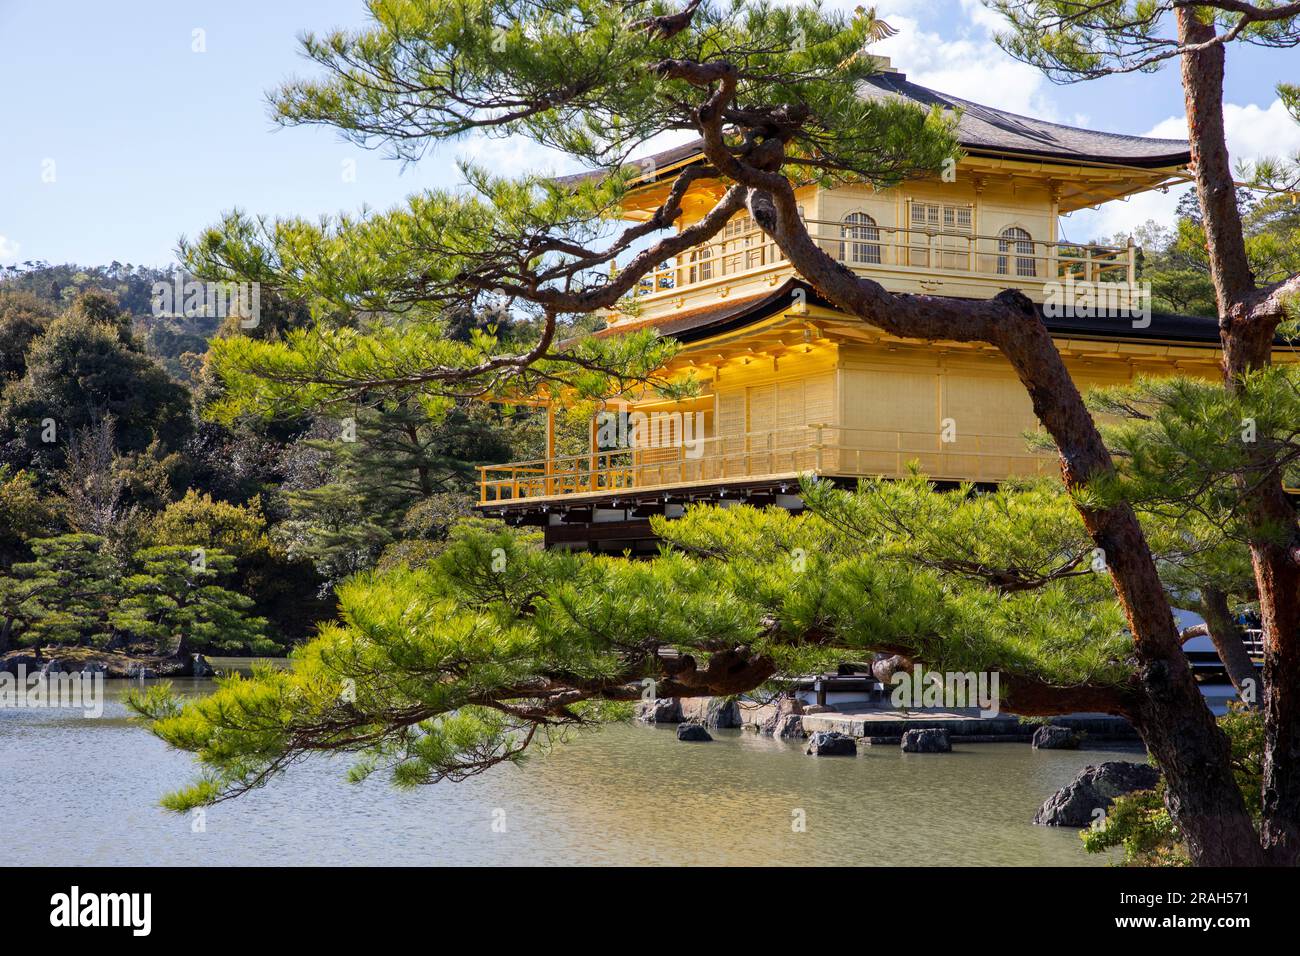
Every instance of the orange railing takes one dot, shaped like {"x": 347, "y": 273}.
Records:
{"x": 816, "y": 449}
{"x": 1023, "y": 262}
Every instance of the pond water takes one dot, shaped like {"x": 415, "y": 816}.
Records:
{"x": 84, "y": 791}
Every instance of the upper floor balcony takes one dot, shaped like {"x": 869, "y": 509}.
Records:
{"x": 936, "y": 253}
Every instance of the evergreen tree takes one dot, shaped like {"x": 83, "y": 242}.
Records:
{"x": 1074, "y": 41}
{"x": 23, "y": 319}
{"x": 24, "y": 514}
{"x": 1177, "y": 264}
{"x": 84, "y": 368}
{"x": 284, "y": 589}
{"x": 67, "y": 592}
{"x": 176, "y": 602}
{"x": 393, "y": 473}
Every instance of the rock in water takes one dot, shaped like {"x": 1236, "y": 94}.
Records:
{"x": 789, "y": 726}
{"x": 722, "y": 712}
{"x": 1052, "y": 737}
{"x": 1075, "y": 804}
{"x": 201, "y": 667}
{"x": 786, "y": 721}
{"x": 931, "y": 740}
{"x": 692, "y": 732}
{"x": 712, "y": 712}
{"x": 828, "y": 743}
{"x": 660, "y": 710}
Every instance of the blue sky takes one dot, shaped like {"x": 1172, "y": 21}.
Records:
{"x": 119, "y": 137}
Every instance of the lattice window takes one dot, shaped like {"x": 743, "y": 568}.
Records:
{"x": 701, "y": 264}
{"x": 941, "y": 217}
{"x": 864, "y": 246}
{"x": 1017, "y": 240}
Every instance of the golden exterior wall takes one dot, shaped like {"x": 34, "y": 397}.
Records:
{"x": 875, "y": 406}
{"x": 813, "y": 391}
{"x": 960, "y": 413}
{"x": 931, "y": 235}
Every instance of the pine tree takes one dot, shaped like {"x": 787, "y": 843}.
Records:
{"x": 390, "y": 473}
{"x": 24, "y": 514}
{"x": 66, "y": 593}
{"x": 175, "y": 601}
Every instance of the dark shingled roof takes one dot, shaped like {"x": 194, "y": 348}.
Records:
{"x": 985, "y": 130}
{"x": 727, "y": 317}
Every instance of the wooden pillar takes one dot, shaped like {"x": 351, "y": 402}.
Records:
{"x": 549, "y": 467}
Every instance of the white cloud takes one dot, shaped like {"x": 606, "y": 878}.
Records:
{"x": 512, "y": 155}
{"x": 8, "y": 248}
{"x": 1252, "y": 132}
{"x": 973, "y": 68}
{"x": 518, "y": 155}
{"x": 982, "y": 16}
{"x": 970, "y": 65}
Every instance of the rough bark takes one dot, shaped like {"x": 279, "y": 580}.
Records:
{"x": 183, "y": 653}
{"x": 1202, "y": 75}
{"x": 1227, "y": 639}
{"x": 1248, "y": 320}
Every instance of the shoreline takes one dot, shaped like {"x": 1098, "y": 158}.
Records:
{"x": 115, "y": 664}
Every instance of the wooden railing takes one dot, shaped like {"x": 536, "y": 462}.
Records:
{"x": 910, "y": 249}
{"x": 815, "y": 449}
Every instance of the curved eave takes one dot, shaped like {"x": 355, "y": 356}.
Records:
{"x": 700, "y": 324}
{"x": 1155, "y": 163}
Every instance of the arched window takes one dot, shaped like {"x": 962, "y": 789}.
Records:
{"x": 864, "y": 236}
{"x": 1014, "y": 239}
{"x": 701, "y": 264}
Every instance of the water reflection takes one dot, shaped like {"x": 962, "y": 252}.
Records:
{"x": 85, "y": 791}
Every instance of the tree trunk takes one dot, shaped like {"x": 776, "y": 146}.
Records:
{"x": 182, "y": 652}
{"x": 1247, "y": 336}
{"x": 1281, "y": 796}
{"x": 1226, "y": 637}
{"x": 1271, "y": 520}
